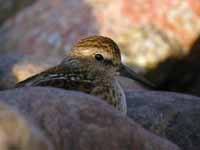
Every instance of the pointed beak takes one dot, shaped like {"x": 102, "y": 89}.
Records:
{"x": 129, "y": 73}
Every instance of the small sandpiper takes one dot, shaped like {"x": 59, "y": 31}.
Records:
{"x": 91, "y": 66}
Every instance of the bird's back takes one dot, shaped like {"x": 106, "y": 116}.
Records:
{"x": 70, "y": 76}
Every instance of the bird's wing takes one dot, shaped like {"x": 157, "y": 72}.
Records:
{"x": 51, "y": 73}
{"x": 41, "y": 77}
{"x": 65, "y": 76}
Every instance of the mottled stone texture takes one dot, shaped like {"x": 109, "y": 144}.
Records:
{"x": 170, "y": 115}
{"x": 176, "y": 17}
{"x": 149, "y": 31}
{"x": 77, "y": 121}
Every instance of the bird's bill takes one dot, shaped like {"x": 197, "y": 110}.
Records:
{"x": 129, "y": 73}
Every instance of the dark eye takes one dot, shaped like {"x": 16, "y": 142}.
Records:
{"x": 99, "y": 57}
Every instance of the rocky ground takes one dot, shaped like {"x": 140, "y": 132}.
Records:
{"x": 76, "y": 121}
{"x": 160, "y": 39}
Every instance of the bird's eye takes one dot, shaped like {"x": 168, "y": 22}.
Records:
{"x": 99, "y": 57}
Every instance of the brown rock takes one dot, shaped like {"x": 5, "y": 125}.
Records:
{"x": 77, "y": 121}
{"x": 17, "y": 133}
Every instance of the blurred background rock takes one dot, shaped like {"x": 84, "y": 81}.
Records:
{"x": 9, "y": 8}
{"x": 158, "y": 38}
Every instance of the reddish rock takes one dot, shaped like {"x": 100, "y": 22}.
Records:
{"x": 148, "y": 31}
{"x": 77, "y": 121}
{"x": 177, "y": 17}
{"x": 195, "y": 5}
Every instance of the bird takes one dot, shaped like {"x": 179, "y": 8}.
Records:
{"x": 91, "y": 66}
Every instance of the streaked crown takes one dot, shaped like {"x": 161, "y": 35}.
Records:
{"x": 97, "y": 48}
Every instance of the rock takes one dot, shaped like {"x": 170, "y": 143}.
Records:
{"x": 179, "y": 75}
{"x": 15, "y": 67}
{"x": 127, "y": 83}
{"x": 48, "y": 28}
{"x": 29, "y": 66}
{"x": 17, "y": 133}
{"x": 174, "y": 23}
{"x": 7, "y": 78}
{"x": 44, "y": 32}
{"x": 170, "y": 115}
{"x": 76, "y": 121}
{"x": 146, "y": 36}
{"x": 9, "y": 8}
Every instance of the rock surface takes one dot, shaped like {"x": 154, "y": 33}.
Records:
{"x": 16, "y": 133}
{"x": 130, "y": 84}
{"x": 7, "y": 77}
{"x": 145, "y": 34}
{"x": 9, "y": 8}
{"x": 77, "y": 121}
{"x": 15, "y": 67}
{"x": 180, "y": 75}
{"x": 170, "y": 115}
{"x": 149, "y": 31}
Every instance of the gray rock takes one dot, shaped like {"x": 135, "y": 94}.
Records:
{"x": 130, "y": 84}
{"x": 7, "y": 78}
{"x": 17, "y": 133}
{"x": 76, "y": 121}
{"x": 171, "y": 115}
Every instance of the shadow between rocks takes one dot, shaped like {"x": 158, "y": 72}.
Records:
{"x": 179, "y": 75}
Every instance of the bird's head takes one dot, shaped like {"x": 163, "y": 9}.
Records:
{"x": 103, "y": 52}
{"x": 99, "y": 51}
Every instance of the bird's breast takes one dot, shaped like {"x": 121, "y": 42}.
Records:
{"x": 112, "y": 93}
